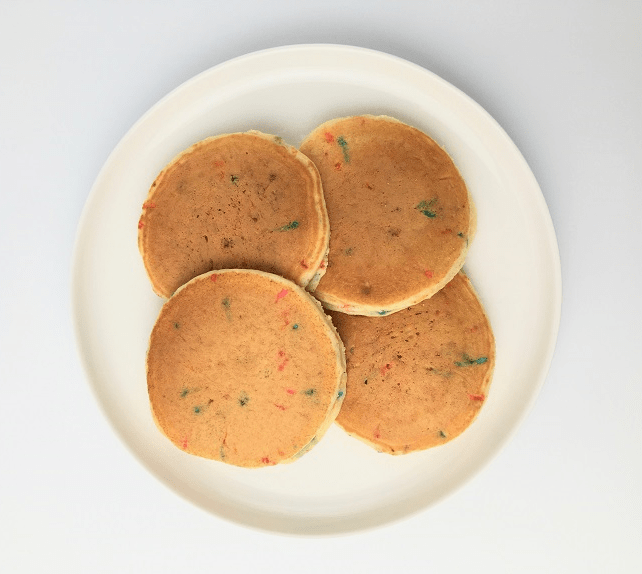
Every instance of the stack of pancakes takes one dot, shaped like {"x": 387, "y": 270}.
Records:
{"x": 249, "y": 237}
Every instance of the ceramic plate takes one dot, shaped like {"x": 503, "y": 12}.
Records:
{"x": 342, "y": 485}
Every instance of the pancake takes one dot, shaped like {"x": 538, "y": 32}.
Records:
{"x": 244, "y": 367}
{"x": 417, "y": 378}
{"x": 243, "y": 200}
{"x": 401, "y": 217}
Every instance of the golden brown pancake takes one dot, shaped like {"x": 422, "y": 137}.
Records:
{"x": 243, "y": 200}
{"x": 244, "y": 367}
{"x": 401, "y": 217}
{"x": 417, "y": 378}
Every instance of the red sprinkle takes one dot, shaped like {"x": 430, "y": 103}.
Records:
{"x": 265, "y": 460}
{"x": 184, "y": 445}
{"x": 290, "y": 391}
{"x": 428, "y": 273}
{"x": 282, "y": 365}
{"x": 329, "y": 137}
{"x": 213, "y": 277}
{"x": 140, "y": 224}
{"x": 385, "y": 368}
{"x": 279, "y": 407}
{"x": 322, "y": 266}
{"x": 476, "y": 397}
{"x": 281, "y": 294}
{"x": 219, "y": 163}
{"x": 148, "y": 205}
{"x": 304, "y": 264}
{"x": 377, "y": 432}
{"x": 337, "y": 166}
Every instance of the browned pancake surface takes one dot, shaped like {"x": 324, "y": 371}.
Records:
{"x": 241, "y": 200}
{"x": 417, "y": 378}
{"x": 400, "y": 214}
{"x": 244, "y": 367}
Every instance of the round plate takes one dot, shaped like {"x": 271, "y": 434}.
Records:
{"x": 341, "y": 485}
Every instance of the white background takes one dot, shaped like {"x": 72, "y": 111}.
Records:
{"x": 562, "y": 78}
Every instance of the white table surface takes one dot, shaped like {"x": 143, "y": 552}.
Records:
{"x": 562, "y": 78}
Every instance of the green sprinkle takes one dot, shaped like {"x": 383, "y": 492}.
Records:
{"x": 177, "y": 325}
{"x": 340, "y": 394}
{"x": 467, "y": 361}
{"x": 442, "y": 434}
{"x": 243, "y": 399}
{"x": 278, "y": 139}
{"x": 295, "y": 326}
{"x": 344, "y": 147}
{"x": 184, "y": 393}
{"x": 349, "y": 251}
{"x": 235, "y": 179}
{"x": 228, "y": 308}
{"x": 309, "y": 392}
{"x": 423, "y": 206}
{"x": 382, "y": 312}
{"x": 222, "y": 453}
{"x": 197, "y": 410}
{"x": 460, "y": 234}
{"x": 289, "y": 226}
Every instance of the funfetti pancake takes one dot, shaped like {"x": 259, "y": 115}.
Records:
{"x": 419, "y": 377}
{"x": 243, "y": 200}
{"x": 401, "y": 216}
{"x": 244, "y": 367}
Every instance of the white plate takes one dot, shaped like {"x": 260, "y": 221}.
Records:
{"x": 341, "y": 485}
